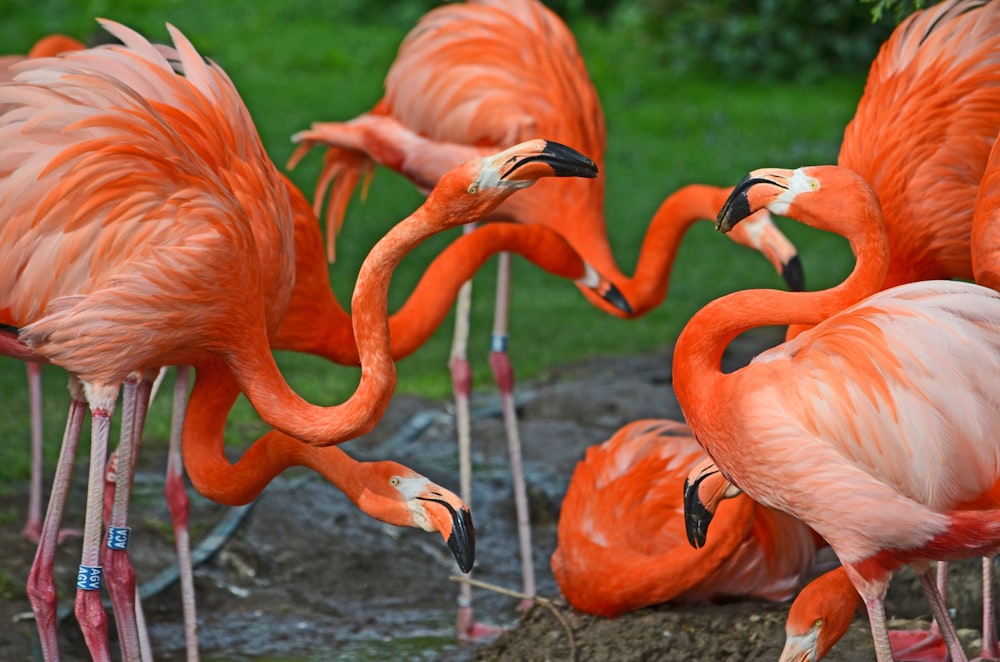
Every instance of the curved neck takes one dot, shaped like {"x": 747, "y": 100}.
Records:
{"x": 317, "y": 324}
{"x": 699, "y": 382}
{"x": 216, "y": 478}
{"x": 255, "y": 370}
{"x": 679, "y": 211}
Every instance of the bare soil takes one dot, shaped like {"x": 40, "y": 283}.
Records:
{"x": 304, "y": 576}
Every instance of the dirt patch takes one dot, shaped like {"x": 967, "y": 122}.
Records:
{"x": 305, "y": 576}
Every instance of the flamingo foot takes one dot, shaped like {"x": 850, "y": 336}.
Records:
{"x": 524, "y": 605}
{"x": 473, "y": 632}
{"x": 918, "y": 646}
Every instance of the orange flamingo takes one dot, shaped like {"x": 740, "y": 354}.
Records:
{"x": 926, "y": 173}
{"x": 47, "y": 46}
{"x": 885, "y": 485}
{"x": 118, "y": 118}
{"x": 944, "y": 60}
{"x": 458, "y": 89}
{"x": 386, "y": 491}
{"x": 621, "y": 537}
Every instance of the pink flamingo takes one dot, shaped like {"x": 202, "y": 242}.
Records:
{"x": 887, "y": 484}
{"x": 114, "y": 272}
{"x": 456, "y": 90}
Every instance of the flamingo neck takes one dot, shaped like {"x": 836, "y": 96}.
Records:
{"x": 676, "y": 214}
{"x": 260, "y": 379}
{"x": 216, "y": 478}
{"x": 700, "y": 384}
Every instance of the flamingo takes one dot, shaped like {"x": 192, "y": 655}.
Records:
{"x": 384, "y": 490}
{"x": 219, "y": 277}
{"x": 457, "y": 89}
{"x": 926, "y": 165}
{"x": 47, "y": 46}
{"x": 620, "y": 534}
{"x": 857, "y": 427}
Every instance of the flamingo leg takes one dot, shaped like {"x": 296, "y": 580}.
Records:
{"x": 41, "y": 587}
{"x": 875, "y": 606}
{"x": 89, "y": 611}
{"x": 990, "y": 650}
{"x": 179, "y": 505}
{"x": 33, "y": 525}
{"x": 920, "y": 646}
{"x": 503, "y": 374}
{"x": 941, "y": 617}
{"x": 461, "y": 379}
{"x": 117, "y": 565}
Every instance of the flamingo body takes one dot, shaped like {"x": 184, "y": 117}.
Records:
{"x": 873, "y": 427}
{"x": 621, "y": 533}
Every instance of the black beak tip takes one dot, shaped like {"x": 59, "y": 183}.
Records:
{"x": 736, "y": 207}
{"x": 567, "y": 162}
{"x": 696, "y": 516}
{"x": 794, "y": 275}
{"x": 614, "y": 296}
{"x": 462, "y": 540}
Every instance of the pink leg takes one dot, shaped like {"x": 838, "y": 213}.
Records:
{"x": 33, "y": 525}
{"x": 115, "y": 559}
{"x": 89, "y": 610}
{"x": 880, "y": 633}
{"x": 461, "y": 380}
{"x": 41, "y": 587}
{"x": 177, "y": 502}
{"x": 920, "y": 646}
{"x": 503, "y": 374}
{"x": 941, "y": 617}
{"x": 990, "y": 650}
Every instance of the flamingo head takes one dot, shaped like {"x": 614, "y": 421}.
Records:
{"x": 478, "y": 186}
{"x": 704, "y": 489}
{"x": 820, "y": 615}
{"x": 829, "y": 198}
{"x": 400, "y": 496}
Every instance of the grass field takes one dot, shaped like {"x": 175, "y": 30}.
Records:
{"x": 300, "y": 61}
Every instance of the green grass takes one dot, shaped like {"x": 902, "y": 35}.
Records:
{"x": 295, "y": 62}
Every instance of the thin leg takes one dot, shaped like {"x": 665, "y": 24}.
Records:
{"x": 920, "y": 645}
{"x": 461, "y": 380}
{"x": 117, "y": 564}
{"x": 940, "y": 611}
{"x": 33, "y": 525}
{"x": 880, "y": 633}
{"x": 990, "y": 650}
{"x": 41, "y": 587}
{"x": 177, "y": 501}
{"x": 503, "y": 374}
{"x": 89, "y": 610}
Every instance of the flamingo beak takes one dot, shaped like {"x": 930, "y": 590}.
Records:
{"x": 794, "y": 275}
{"x": 545, "y": 158}
{"x": 613, "y": 295}
{"x": 462, "y": 540}
{"x": 696, "y": 516}
{"x": 737, "y": 205}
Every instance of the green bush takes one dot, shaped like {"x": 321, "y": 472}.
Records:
{"x": 801, "y": 40}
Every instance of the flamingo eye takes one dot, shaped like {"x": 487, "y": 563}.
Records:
{"x": 813, "y": 184}
{"x": 394, "y": 481}
{"x": 818, "y": 623}
{"x": 473, "y": 188}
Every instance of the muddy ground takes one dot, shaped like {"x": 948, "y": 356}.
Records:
{"x": 304, "y": 576}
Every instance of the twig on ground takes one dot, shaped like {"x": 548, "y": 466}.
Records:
{"x": 540, "y": 601}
